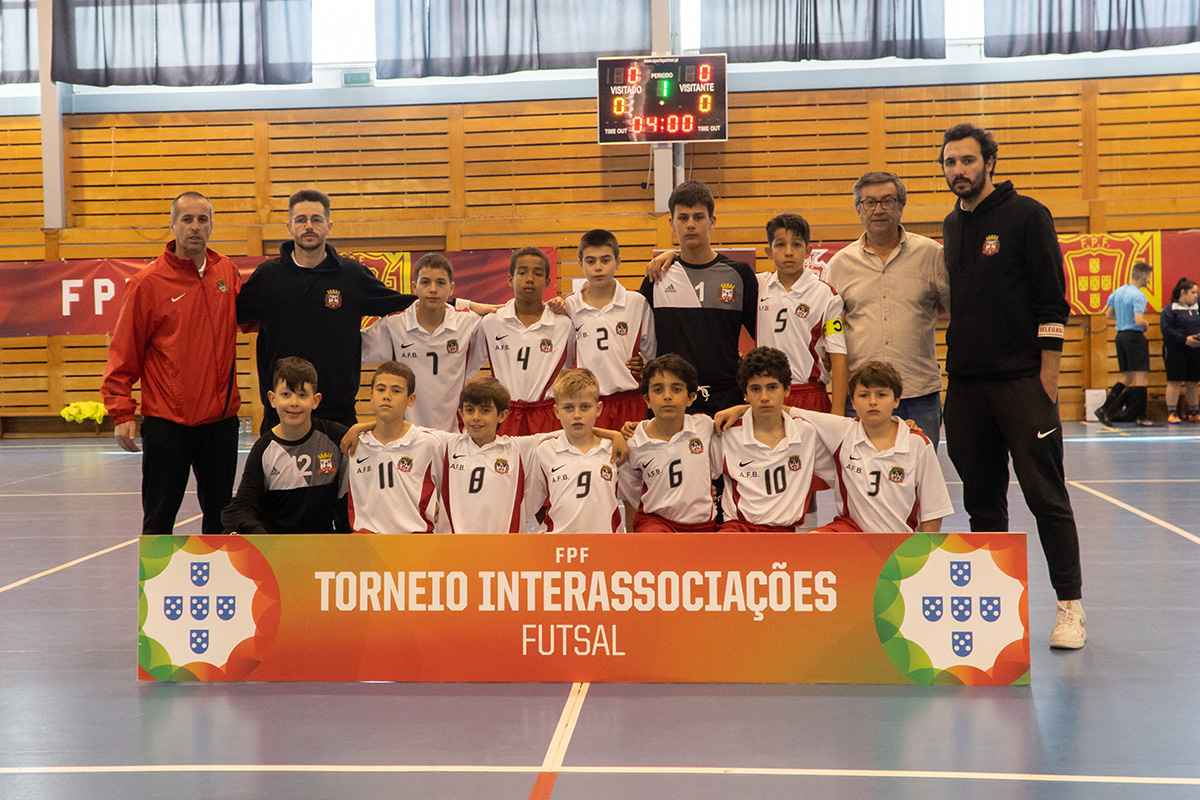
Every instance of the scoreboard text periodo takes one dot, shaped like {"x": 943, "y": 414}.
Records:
{"x": 661, "y": 99}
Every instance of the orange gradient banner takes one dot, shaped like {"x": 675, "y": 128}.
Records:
{"x": 770, "y": 608}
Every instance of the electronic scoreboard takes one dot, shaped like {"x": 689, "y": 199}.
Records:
{"x": 661, "y": 99}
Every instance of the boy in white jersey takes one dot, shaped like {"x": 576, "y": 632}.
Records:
{"x": 442, "y": 345}
{"x": 801, "y": 315}
{"x": 397, "y": 465}
{"x": 889, "y": 479}
{"x": 575, "y": 472}
{"x": 614, "y": 329}
{"x": 768, "y": 458}
{"x": 528, "y": 345}
{"x": 674, "y": 457}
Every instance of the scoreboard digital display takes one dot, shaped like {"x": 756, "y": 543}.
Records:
{"x": 661, "y": 99}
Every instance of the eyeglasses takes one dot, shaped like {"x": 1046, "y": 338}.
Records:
{"x": 316, "y": 220}
{"x": 869, "y": 203}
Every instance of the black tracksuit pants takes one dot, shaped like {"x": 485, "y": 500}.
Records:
{"x": 170, "y": 452}
{"x": 986, "y": 422}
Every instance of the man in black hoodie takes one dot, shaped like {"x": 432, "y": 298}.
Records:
{"x": 1004, "y": 348}
{"x": 309, "y": 302}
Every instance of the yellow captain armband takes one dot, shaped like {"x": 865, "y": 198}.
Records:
{"x": 832, "y": 326}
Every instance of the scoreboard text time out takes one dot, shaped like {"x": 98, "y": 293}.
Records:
{"x": 661, "y": 99}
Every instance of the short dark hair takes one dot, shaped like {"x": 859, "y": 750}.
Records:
{"x": 191, "y": 196}
{"x": 673, "y": 363}
{"x": 309, "y": 196}
{"x": 876, "y": 374}
{"x": 294, "y": 372}
{"x": 691, "y": 193}
{"x": 1181, "y": 286}
{"x": 876, "y": 178}
{"x": 763, "y": 361}
{"x": 1142, "y": 268}
{"x": 965, "y": 130}
{"x": 432, "y": 261}
{"x": 483, "y": 390}
{"x": 789, "y": 222}
{"x": 528, "y": 251}
{"x": 398, "y": 370}
{"x": 598, "y": 237}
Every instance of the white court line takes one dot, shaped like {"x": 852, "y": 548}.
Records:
{"x": 1150, "y": 517}
{"x": 566, "y": 726}
{"x": 906, "y": 774}
{"x": 81, "y": 559}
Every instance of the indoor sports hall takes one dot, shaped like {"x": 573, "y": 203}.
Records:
{"x": 1114, "y": 720}
{"x": 475, "y": 129}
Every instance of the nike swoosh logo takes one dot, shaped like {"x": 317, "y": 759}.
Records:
{"x": 177, "y": 299}
{"x": 577, "y": 327}
{"x": 505, "y": 336}
{"x": 1042, "y": 435}
{"x": 744, "y": 463}
{"x": 648, "y": 463}
{"x": 406, "y": 346}
{"x": 461, "y": 455}
{"x": 361, "y": 460}
{"x": 856, "y": 458}
{"x": 556, "y": 469}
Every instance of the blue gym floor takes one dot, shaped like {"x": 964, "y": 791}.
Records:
{"x": 1119, "y": 719}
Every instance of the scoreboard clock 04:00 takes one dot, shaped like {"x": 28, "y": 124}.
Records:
{"x": 661, "y": 99}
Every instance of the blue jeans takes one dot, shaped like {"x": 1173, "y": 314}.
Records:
{"x": 925, "y": 410}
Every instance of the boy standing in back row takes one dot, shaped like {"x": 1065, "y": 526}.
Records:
{"x": 612, "y": 326}
{"x": 528, "y": 345}
{"x": 702, "y": 300}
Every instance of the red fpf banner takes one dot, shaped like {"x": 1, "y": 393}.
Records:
{"x": 58, "y": 298}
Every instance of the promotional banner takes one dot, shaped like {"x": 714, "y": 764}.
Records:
{"x": 757, "y": 608}
{"x": 57, "y": 298}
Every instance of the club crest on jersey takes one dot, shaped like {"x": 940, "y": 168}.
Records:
{"x": 606, "y": 472}
{"x": 222, "y": 287}
{"x": 622, "y": 329}
{"x": 405, "y": 464}
{"x": 991, "y": 245}
{"x": 547, "y": 346}
{"x": 333, "y": 298}
{"x": 501, "y": 466}
{"x": 726, "y": 294}
{"x": 452, "y": 346}
{"x": 896, "y": 475}
{"x": 695, "y": 446}
{"x": 794, "y": 463}
{"x": 325, "y": 463}
{"x": 802, "y": 311}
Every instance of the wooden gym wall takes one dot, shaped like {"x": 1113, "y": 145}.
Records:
{"x": 1105, "y": 155}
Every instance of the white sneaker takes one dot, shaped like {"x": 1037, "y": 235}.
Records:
{"x": 1069, "y": 631}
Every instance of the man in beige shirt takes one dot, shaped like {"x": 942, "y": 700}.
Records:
{"x": 894, "y": 286}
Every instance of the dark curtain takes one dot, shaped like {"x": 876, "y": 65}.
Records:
{"x": 1036, "y": 27}
{"x": 182, "y": 42}
{"x": 18, "y": 41}
{"x": 418, "y": 38}
{"x": 827, "y": 30}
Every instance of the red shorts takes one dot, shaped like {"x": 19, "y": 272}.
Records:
{"x": 525, "y": 418}
{"x": 652, "y": 523}
{"x": 620, "y": 408}
{"x": 737, "y": 526}
{"x": 840, "y": 524}
{"x": 810, "y": 397}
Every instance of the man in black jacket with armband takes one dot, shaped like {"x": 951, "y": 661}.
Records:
{"x": 1004, "y": 348}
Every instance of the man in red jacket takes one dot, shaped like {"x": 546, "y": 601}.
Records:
{"x": 176, "y": 333}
